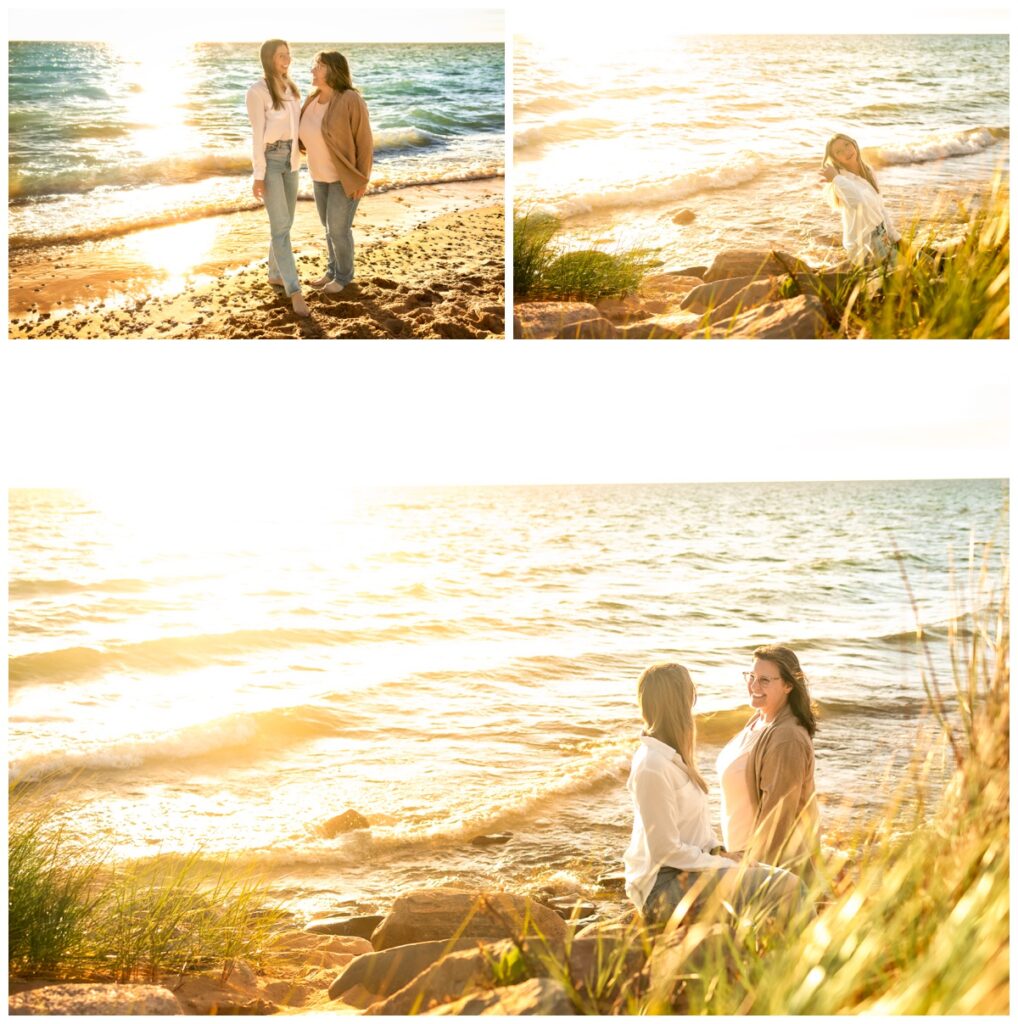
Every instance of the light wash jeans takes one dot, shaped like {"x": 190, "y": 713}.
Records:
{"x": 336, "y": 210}
{"x": 280, "y": 204}
{"x": 760, "y": 886}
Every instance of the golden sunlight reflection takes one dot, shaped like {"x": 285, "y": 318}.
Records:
{"x": 177, "y": 249}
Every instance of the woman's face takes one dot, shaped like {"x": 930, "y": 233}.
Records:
{"x": 281, "y": 60}
{"x": 768, "y": 692}
{"x": 845, "y": 153}
{"x": 318, "y": 79}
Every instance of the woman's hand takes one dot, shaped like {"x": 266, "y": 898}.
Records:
{"x": 359, "y": 193}
{"x": 730, "y": 855}
{"x": 829, "y": 172}
{"x": 258, "y": 188}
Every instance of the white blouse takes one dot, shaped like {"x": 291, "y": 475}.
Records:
{"x": 737, "y": 810}
{"x": 862, "y": 209}
{"x": 269, "y": 125}
{"x": 671, "y": 823}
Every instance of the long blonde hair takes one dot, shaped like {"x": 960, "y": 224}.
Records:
{"x": 272, "y": 80}
{"x": 667, "y": 696}
{"x": 867, "y": 173}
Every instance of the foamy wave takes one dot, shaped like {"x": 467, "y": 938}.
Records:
{"x": 937, "y": 147}
{"x": 387, "y": 139}
{"x": 260, "y": 730}
{"x": 565, "y": 130}
{"x": 32, "y": 588}
{"x": 731, "y": 174}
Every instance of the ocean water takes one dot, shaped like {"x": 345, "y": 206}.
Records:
{"x": 616, "y": 139}
{"x": 104, "y": 139}
{"x": 187, "y": 673}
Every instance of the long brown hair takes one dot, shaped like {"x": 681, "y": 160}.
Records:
{"x": 268, "y": 51}
{"x": 863, "y": 166}
{"x": 791, "y": 672}
{"x": 667, "y": 696}
{"x": 337, "y": 70}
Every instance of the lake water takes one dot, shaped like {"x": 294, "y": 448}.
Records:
{"x": 105, "y": 139}
{"x": 616, "y": 138}
{"x": 187, "y": 671}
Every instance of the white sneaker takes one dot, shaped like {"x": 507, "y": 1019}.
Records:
{"x": 321, "y": 282}
{"x": 333, "y": 288}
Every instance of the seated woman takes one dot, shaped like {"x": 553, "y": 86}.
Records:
{"x": 867, "y": 230}
{"x": 768, "y": 797}
{"x": 674, "y": 852}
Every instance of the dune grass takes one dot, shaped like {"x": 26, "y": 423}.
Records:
{"x": 82, "y": 918}
{"x": 541, "y": 271}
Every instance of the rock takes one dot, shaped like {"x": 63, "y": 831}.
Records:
{"x": 690, "y": 272}
{"x": 752, "y": 263}
{"x": 440, "y": 913}
{"x": 348, "y": 821}
{"x": 684, "y": 217}
{"x": 517, "y": 327}
{"x": 303, "y": 941}
{"x": 572, "y": 905}
{"x": 95, "y": 1000}
{"x": 614, "y": 881}
{"x": 827, "y": 285}
{"x": 598, "y": 327}
{"x": 536, "y": 996}
{"x": 374, "y": 976}
{"x": 801, "y": 317}
{"x": 497, "y": 839}
{"x": 705, "y": 297}
{"x": 445, "y": 980}
{"x": 754, "y": 294}
{"x": 547, "y": 319}
{"x": 614, "y": 928}
{"x": 590, "y": 956}
{"x": 361, "y": 927}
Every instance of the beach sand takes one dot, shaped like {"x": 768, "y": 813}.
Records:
{"x": 429, "y": 260}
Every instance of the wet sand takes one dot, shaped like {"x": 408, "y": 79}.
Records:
{"x": 430, "y": 263}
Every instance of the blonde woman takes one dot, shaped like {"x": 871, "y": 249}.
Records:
{"x": 335, "y": 132}
{"x": 273, "y": 106}
{"x": 674, "y": 852}
{"x": 868, "y": 233}
{"x": 768, "y": 796}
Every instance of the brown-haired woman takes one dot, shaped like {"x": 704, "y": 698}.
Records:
{"x": 768, "y": 798}
{"x": 673, "y": 851}
{"x": 273, "y": 105}
{"x": 335, "y": 132}
{"x": 868, "y": 232}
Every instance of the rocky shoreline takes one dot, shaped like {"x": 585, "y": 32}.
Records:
{"x": 745, "y": 293}
{"x": 441, "y": 951}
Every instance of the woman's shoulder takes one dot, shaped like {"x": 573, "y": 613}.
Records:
{"x": 259, "y": 87}
{"x": 788, "y": 729}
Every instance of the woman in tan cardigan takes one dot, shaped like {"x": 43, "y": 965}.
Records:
{"x": 768, "y": 798}
{"x": 335, "y": 132}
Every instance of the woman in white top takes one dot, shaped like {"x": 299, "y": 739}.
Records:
{"x": 868, "y": 233}
{"x": 273, "y": 105}
{"x": 673, "y": 851}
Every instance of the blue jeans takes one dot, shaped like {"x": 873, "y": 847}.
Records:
{"x": 761, "y": 886}
{"x": 280, "y": 204}
{"x": 336, "y": 210}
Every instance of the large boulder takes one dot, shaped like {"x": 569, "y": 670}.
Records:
{"x": 530, "y": 998}
{"x": 753, "y": 263}
{"x": 548, "y": 319}
{"x": 677, "y": 325}
{"x": 597, "y": 327}
{"x": 374, "y": 976}
{"x": 444, "y": 981}
{"x": 441, "y": 913}
{"x": 202, "y": 996}
{"x": 95, "y": 1000}
{"x": 801, "y": 317}
{"x": 756, "y": 293}
{"x": 705, "y": 297}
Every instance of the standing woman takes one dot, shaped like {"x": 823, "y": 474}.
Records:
{"x": 336, "y": 135}
{"x": 868, "y": 233}
{"x": 768, "y": 798}
{"x": 273, "y": 105}
{"x": 673, "y": 851}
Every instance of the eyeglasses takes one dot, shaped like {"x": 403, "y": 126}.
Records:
{"x": 762, "y": 680}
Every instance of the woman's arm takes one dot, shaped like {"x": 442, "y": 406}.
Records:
{"x": 655, "y": 794}
{"x": 360, "y": 128}
{"x": 783, "y": 772}
{"x": 256, "y": 114}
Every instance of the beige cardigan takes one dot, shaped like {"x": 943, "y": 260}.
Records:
{"x": 347, "y": 134}
{"x": 780, "y": 776}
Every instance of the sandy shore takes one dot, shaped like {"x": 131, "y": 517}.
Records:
{"x": 430, "y": 263}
